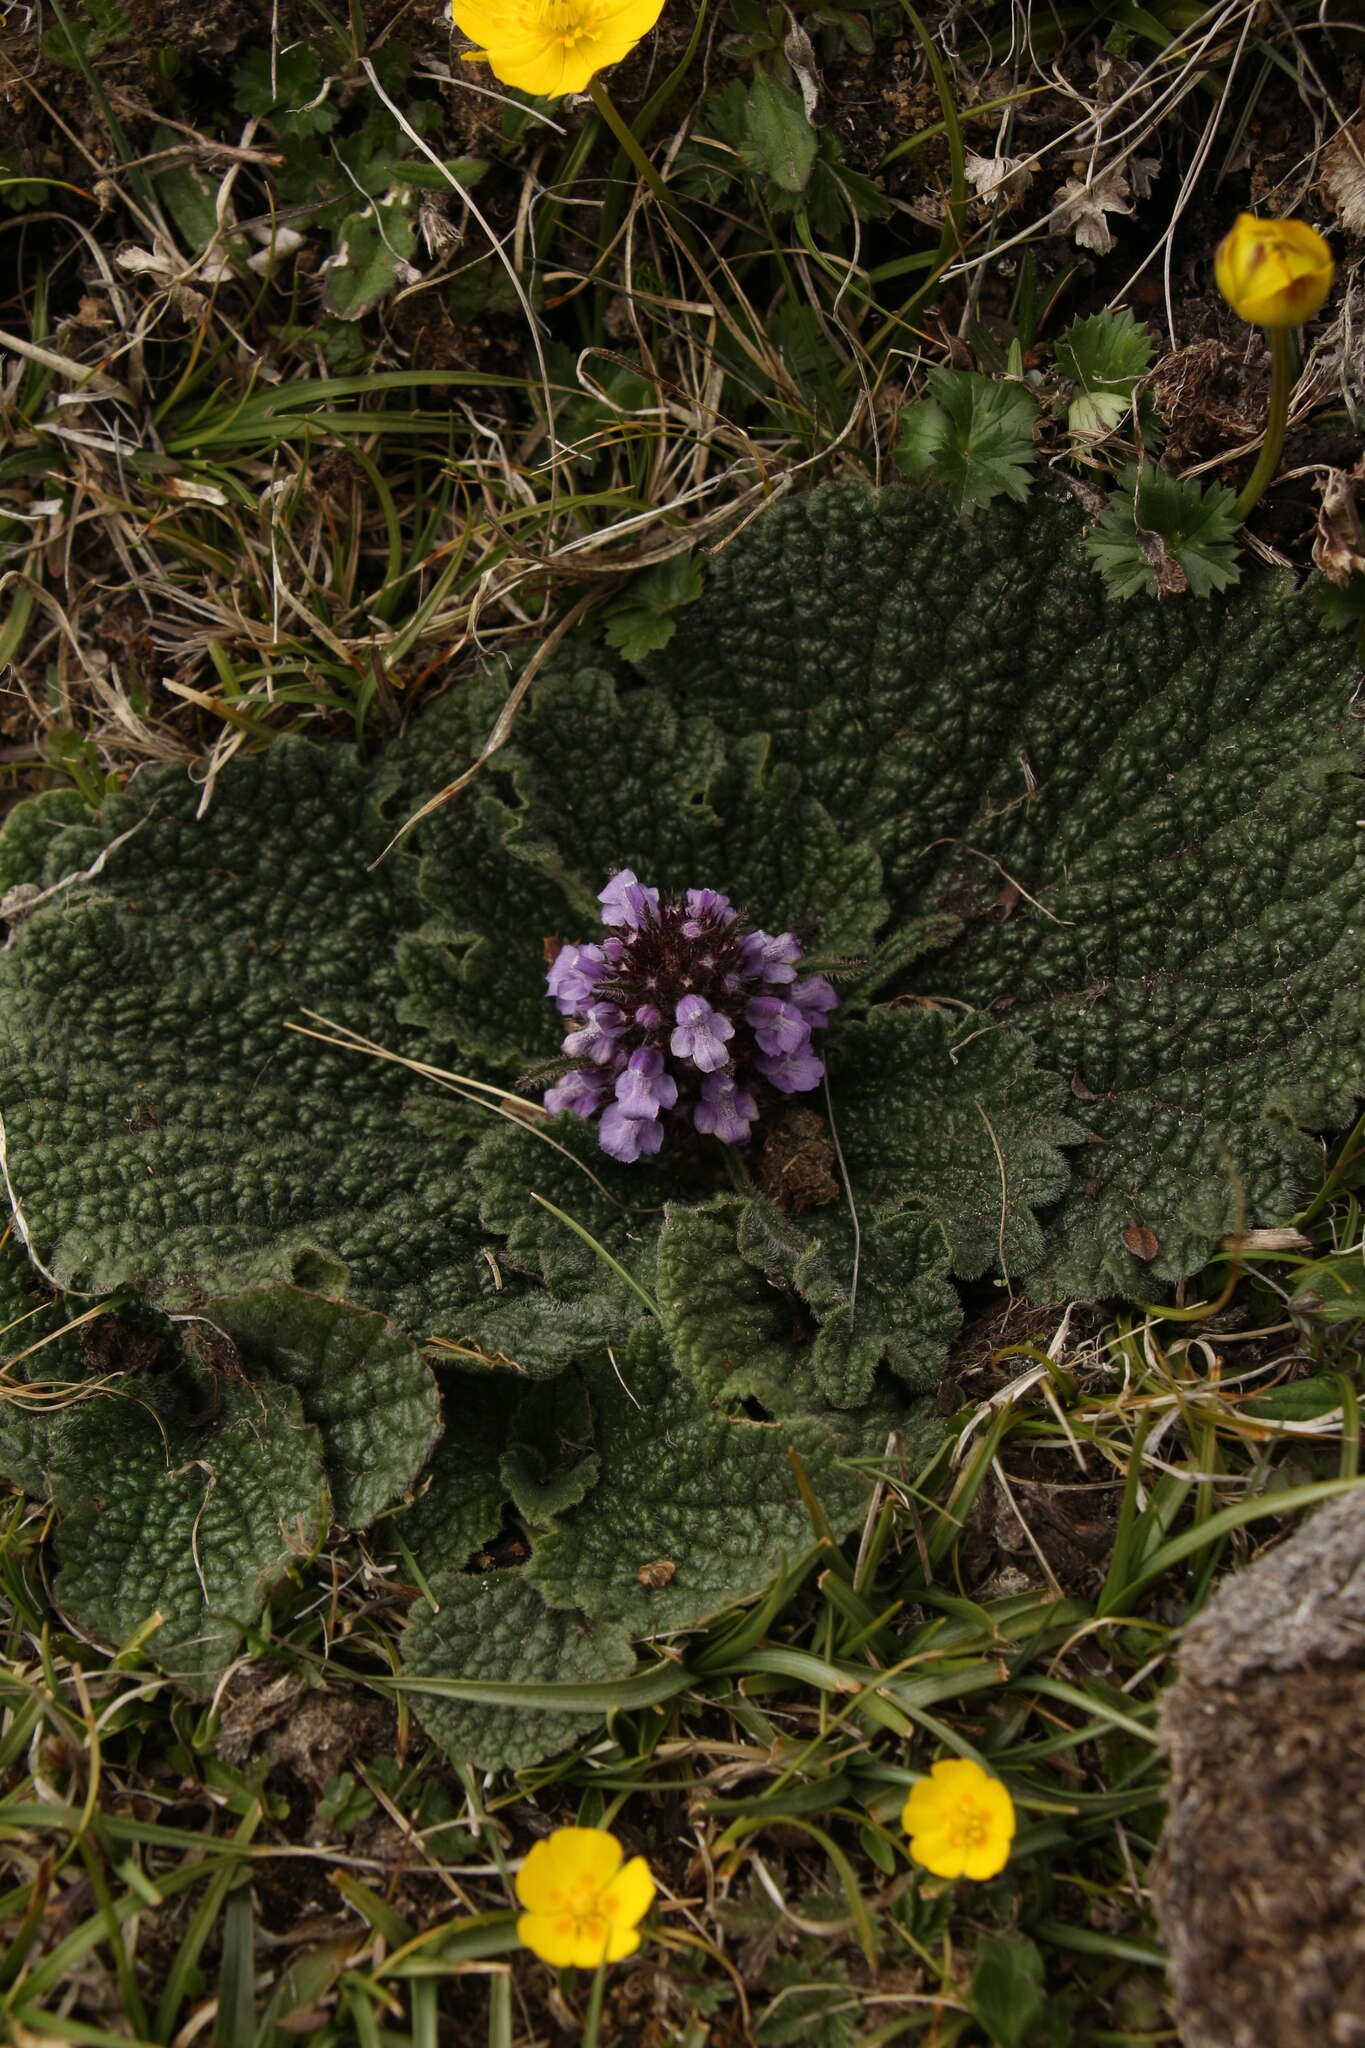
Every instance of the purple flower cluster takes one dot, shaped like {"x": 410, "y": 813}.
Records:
{"x": 679, "y": 1016}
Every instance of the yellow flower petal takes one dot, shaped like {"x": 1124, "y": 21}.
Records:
{"x": 567, "y": 1864}
{"x": 940, "y": 1852}
{"x": 555, "y": 1941}
{"x": 623, "y": 1941}
{"x": 988, "y": 1860}
{"x": 551, "y": 47}
{"x": 629, "y": 1897}
{"x": 1273, "y": 273}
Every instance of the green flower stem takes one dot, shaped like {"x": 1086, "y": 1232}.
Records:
{"x": 606, "y": 107}
{"x": 593, "y": 2025}
{"x": 1277, "y": 419}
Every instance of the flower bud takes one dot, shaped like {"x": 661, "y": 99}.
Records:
{"x": 1274, "y": 273}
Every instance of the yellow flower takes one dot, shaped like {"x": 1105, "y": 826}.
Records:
{"x": 550, "y": 47}
{"x": 960, "y": 1822}
{"x": 1274, "y": 273}
{"x": 582, "y": 1906}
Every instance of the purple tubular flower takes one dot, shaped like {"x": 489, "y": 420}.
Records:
{"x": 598, "y": 1036}
{"x": 626, "y": 1137}
{"x": 725, "y": 1111}
{"x": 701, "y": 1034}
{"x": 626, "y": 901}
{"x": 778, "y": 1026}
{"x": 644, "y": 1088}
{"x": 573, "y": 974}
{"x": 771, "y": 959}
{"x": 815, "y": 997}
{"x": 706, "y": 906}
{"x": 581, "y": 1091}
{"x": 682, "y": 1019}
{"x": 792, "y": 1073}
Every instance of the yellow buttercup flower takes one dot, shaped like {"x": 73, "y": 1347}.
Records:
{"x": 960, "y": 1821}
{"x": 1274, "y": 273}
{"x": 549, "y": 47}
{"x": 583, "y": 1907}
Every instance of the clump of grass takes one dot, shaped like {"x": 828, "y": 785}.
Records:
{"x": 233, "y": 513}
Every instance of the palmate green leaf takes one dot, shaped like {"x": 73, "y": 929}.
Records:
{"x": 1165, "y": 534}
{"x": 371, "y": 252}
{"x": 185, "y": 1498}
{"x": 1105, "y": 355}
{"x": 780, "y": 137}
{"x": 1145, "y": 820}
{"x": 498, "y": 1627}
{"x": 972, "y": 434}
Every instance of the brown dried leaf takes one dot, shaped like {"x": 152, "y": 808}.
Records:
{"x": 1140, "y": 1241}
{"x": 1337, "y": 544}
{"x": 1083, "y": 204}
{"x": 1171, "y": 580}
{"x": 1343, "y": 178}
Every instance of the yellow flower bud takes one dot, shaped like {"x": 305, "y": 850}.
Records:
{"x": 1274, "y": 273}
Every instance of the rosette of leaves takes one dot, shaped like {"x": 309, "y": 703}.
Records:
{"x": 1091, "y": 890}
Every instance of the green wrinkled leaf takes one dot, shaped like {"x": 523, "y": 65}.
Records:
{"x": 979, "y": 1148}
{"x": 361, "y": 1383}
{"x": 187, "y": 1499}
{"x": 461, "y": 1498}
{"x": 1173, "y": 786}
{"x": 902, "y": 1312}
{"x": 725, "y": 1517}
{"x": 183, "y": 1141}
{"x": 498, "y": 1627}
{"x": 548, "y": 1465}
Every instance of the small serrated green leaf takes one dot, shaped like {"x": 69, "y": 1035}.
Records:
{"x": 1007, "y": 1989}
{"x": 1105, "y": 355}
{"x": 285, "y": 84}
{"x": 778, "y": 132}
{"x": 372, "y": 250}
{"x": 1164, "y": 534}
{"x": 972, "y": 434}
